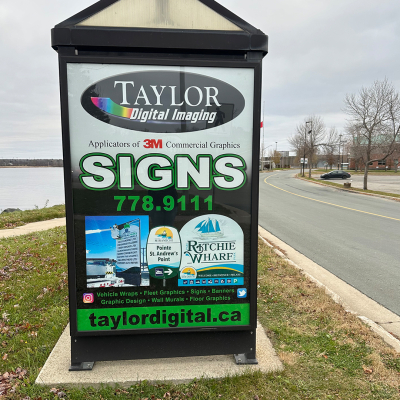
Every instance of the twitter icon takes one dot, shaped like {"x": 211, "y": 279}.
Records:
{"x": 242, "y": 293}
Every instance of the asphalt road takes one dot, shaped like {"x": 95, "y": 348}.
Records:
{"x": 355, "y": 237}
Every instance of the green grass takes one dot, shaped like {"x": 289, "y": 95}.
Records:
{"x": 18, "y": 218}
{"x": 327, "y": 352}
{"x": 340, "y": 185}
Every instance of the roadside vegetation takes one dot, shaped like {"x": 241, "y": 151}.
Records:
{"x": 373, "y": 124}
{"x": 327, "y": 352}
{"x": 371, "y": 134}
{"x": 18, "y": 218}
{"x": 340, "y": 185}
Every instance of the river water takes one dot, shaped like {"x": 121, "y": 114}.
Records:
{"x": 25, "y": 188}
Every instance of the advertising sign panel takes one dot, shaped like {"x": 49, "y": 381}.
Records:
{"x": 161, "y": 169}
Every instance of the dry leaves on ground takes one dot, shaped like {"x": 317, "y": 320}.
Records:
{"x": 10, "y": 380}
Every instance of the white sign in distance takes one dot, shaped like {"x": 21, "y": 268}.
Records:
{"x": 127, "y": 237}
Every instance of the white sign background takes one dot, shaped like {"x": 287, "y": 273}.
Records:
{"x": 85, "y": 128}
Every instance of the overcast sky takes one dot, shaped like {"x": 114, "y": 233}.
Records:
{"x": 319, "y": 50}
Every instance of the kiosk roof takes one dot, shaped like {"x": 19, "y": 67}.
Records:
{"x": 159, "y": 24}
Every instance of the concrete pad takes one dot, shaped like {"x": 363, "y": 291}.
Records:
{"x": 176, "y": 370}
{"x": 32, "y": 227}
{"x": 343, "y": 293}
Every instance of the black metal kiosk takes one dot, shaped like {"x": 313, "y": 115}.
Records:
{"x": 160, "y": 104}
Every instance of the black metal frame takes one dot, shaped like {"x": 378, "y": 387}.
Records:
{"x": 87, "y": 346}
{"x": 243, "y": 49}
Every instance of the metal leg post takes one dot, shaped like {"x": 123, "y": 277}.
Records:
{"x": 246, "y": 358}
{"x": 83, "y": 366}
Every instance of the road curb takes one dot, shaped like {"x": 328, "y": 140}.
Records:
{"x": 374, "y": 326}
{"x": 349, "y": 190}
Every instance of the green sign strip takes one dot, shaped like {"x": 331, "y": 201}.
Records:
{"x": 109, "y": 319}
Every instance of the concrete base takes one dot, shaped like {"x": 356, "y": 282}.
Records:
{"x": 176, "y": 370}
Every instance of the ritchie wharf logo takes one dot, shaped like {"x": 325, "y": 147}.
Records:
{"x": 163, "y": 101}
{"x": 206, "y": 252}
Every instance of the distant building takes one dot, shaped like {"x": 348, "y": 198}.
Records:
{"x": 286, "y": 159}
{"x": 387, "y": 164}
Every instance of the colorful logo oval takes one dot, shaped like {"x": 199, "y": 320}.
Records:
{"x": 164, "y": 232}
{"x": 163, "y": 101}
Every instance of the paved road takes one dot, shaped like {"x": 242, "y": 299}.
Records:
{"x": 356, "y": 237}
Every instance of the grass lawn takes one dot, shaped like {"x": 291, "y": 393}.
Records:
{"x": 327, "y": 352}
{"x": 340, "y": 185}
{"x": 18, "y": 218}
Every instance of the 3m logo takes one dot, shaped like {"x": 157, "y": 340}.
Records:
{"x": 153, "y": 144}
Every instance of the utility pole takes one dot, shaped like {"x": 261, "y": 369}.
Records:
{"x": 263, "y": 141}
{"x": 304, "y": 148}
{"x": 310, "y": 155}
{"x": 305, "y": 143}
{"x": 342, "y": 155}
{"x": 340, "y": 141}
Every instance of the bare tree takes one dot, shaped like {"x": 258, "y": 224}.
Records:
{"x": 374, "y": 122}
{"x": 396, "y": 155}
{"x": 263, "y": 155}
{"x": 355, "y": 149}
{"x": 308, "y": 138}
{"x": 329, "y": 148}
{"x": 276, "y": 158}
{"x": 297, "y": 143}
{"x": 316, "y": 137}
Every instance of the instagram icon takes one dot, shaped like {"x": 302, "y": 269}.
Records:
{"x": 88, "y": 297}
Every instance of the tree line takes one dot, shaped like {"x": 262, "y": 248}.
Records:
{"x": 26, "y": 162}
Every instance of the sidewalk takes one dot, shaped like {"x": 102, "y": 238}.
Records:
{"x": 32, "y": 227}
